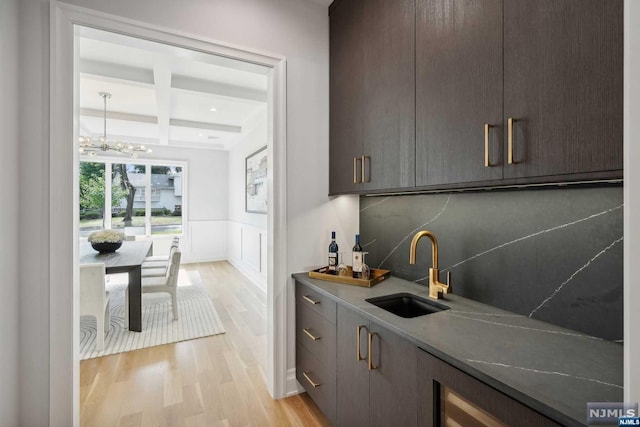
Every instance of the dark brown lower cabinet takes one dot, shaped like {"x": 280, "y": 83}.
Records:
{"x": 316, "y": 348}
{"x": 376, "y": 374}
{"x": 448, "y": 396}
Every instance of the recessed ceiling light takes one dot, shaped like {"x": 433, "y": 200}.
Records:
{"x": 213, "y": 109}
{"x": 201, "y": 134}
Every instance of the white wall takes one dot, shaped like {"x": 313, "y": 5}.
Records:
{"x": 247, "y": 232}
{"x": 34, "y": 218}
{"x": 293, "y": 28}
{"x": 9, "y": 242}
{"x": 632, "y": 201}
{"x": 206, "y": 207}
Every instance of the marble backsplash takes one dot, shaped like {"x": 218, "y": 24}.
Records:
{"x": 552, "y": 254}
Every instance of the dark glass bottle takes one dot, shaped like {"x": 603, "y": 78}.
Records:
{"x": 333, "y": 255}
{"x": 357, "y": 259}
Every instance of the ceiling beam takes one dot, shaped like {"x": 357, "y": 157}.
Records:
{"x": 162, "y": 79}
{"x": 129, "y": 117}
{"x": 215, "y": 88}
{"x": 89, "y": 112}
{"x": 206, "y": 126}
{"x": 110, "y": 70}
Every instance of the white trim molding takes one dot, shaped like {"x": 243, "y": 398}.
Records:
{"x": 64, "y": 221}
{"x": 293, "y": 386}
{"x": 631, "y": 296}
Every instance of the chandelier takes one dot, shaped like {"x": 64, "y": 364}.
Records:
{"x": 90, "y": 146}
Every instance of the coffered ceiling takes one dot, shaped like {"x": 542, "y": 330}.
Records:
{"x": 165, "y": 95}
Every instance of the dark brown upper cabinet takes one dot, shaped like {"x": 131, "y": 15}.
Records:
{"x": 459, "y": 132}
{"x": 372, "y": 95}
{"x": 441, "y": 94}
{"x": 563, "y": 87}
{"x": 346, "y": 100}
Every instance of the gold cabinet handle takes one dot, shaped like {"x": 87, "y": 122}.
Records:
{"x": 370, "y": 355}
{"x": 358, "y": 330}
{"x": 355, "y": 170}
{"x": 309, "y": 334}
{"x": 306, "y": 375}
{"x": 487, "y": 163}
{"x": 364, "y": 166}
{"x": 309, "y": 300}
{"x": 510, "y": 140}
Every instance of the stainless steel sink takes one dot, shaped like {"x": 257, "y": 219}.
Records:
{"x": 407, "y": 305}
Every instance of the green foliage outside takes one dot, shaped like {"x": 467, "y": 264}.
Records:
{"x": 92, "y": 184}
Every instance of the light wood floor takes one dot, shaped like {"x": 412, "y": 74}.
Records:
{"x": 212, "y": 381}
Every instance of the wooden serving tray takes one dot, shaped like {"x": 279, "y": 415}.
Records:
{"x": 377, "y": 276}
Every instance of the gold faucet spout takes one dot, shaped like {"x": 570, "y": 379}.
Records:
{"x": 434, "y": 247}
{"x": 436, "y": 288}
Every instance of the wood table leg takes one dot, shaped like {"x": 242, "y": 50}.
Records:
{"x": 135, "y": 299}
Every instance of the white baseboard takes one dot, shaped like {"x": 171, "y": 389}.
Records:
{"x": 293, "y": 387}
{"x": 193, "y": 260}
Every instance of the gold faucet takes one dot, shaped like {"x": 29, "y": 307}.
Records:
{"x": 436, "y": 288}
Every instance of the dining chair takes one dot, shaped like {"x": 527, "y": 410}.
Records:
{"x": 161, "y": 261}
{"x": 94, "y": 299}
{"x": 168, "y": 283}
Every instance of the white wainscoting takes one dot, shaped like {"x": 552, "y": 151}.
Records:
{"x": 247, "y": 251}
{"x": 205, "y": 241}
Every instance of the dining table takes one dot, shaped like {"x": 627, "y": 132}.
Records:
{"x": 127, "y": 259}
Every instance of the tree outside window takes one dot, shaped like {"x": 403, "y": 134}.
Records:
{"x": 140, "y": 204}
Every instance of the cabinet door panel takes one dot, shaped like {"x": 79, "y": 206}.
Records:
{"x": 346, "y": 61}
{"x": 563, "y": 85}
{"x": 352, "y": 375}
{"x": 393, "y": 384}
{"x": 459, "y": 90}
{"x": 389, "y": 94}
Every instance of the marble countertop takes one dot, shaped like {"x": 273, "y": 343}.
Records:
{"x": 551, "y": 369}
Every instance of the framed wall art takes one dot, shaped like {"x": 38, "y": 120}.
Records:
{"x": 256, "y": 182}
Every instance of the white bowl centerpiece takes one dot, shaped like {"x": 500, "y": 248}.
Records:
{"x": 105, "y": 241}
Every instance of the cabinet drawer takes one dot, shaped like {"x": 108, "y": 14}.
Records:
{"x": 316, "y": 302}
{"x": 316, "y": 334}
{"x": 317, "y": 380}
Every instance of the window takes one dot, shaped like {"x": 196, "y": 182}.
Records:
{"x": 144, "y": 199}
{"x": 166, "y": 202}
{"x": 92, "y": 195}
{"x": 128, "y": 212}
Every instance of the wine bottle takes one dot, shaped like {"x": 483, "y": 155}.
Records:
{"x": 357, "y": 259}
{"x": 333, "y": 255}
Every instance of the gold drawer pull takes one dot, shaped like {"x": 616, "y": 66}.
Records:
{"x": 487, "y": 163}
{"x": 309, "y": 300}
{"x": 370, "y": 356}
{"x": 310, "y": 335}
{"x": 314, "y": 385}
{"x": 359, "y": 329}
{"x": 510, "y": 140}
{"x": 364, "y": 165}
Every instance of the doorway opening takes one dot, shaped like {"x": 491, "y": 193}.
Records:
{"x": 66, "y": 107}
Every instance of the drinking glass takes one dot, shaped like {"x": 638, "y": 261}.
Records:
{"x": 343, "y": 270}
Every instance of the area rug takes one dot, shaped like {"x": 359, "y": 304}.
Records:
{"x": 197, "y": 318}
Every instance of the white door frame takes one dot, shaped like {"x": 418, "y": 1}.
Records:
{"x": 64, "y": 221}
